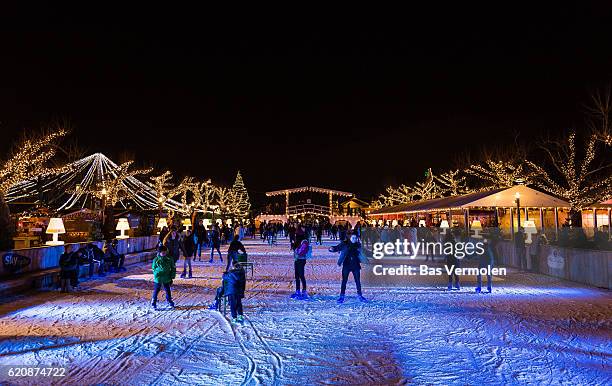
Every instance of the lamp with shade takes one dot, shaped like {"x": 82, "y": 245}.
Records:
{"x": 162, "y": 223}
{"x": 422, "y": 223}
{"x": 56, "y": 227}
{"x": 123, "y": 225}
{"x": 186, "y": 223}
{"x": 477, "y": 228}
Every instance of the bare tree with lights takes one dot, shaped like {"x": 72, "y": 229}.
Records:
{"x": 165, "y": 190}
{"x": 427, "y": 189}
{"x": 226, "y": 200}
{"x": 29, "y": 160}
{"x": 581, "y": 178}
{"x": 453, "y": 183}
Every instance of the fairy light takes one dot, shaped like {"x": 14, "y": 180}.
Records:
{"x": 500, "y": 174}
{"x": 29, "y": 161}
{"x": 580, "y": 186}
{"x": 165, "y": 190}
{"x": 452, "y": 183}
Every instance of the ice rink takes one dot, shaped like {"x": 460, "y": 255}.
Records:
{"x": 531, "y": 329}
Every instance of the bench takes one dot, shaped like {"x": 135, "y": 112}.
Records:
{"x": 49, "y": 278}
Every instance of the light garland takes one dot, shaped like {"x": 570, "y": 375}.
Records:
{"x": 241, "y": 195}
{"x": 29, "y": 161}
{"x": 580, "y": 186}
{"x": 500, "y": 174}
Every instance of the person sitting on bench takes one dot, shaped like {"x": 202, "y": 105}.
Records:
{"x": 91, "y": 254}
{"x": 69, "y": 268}
{"x": 113, "y": 257}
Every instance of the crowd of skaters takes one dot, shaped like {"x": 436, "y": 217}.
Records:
{"x": 192, "y": 243}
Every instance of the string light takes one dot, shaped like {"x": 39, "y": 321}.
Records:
{"x": 581, "y": 185}
{"x": 29, "y": 162}
{"x": 500, "y": 174}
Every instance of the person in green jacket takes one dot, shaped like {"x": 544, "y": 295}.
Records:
{"x": 164, "y": 271}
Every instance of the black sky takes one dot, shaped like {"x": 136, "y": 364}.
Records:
{"x": 349, "y": 100}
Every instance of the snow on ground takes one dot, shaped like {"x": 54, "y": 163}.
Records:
{"x": 532, "y": 329}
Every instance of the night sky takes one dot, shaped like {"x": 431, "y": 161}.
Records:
{"x": 305, "y": 97}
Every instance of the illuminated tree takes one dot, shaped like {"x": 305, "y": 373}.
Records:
{"x": 201, "y": 194}
{"x": 395, "y": 196}
{"x": 243, "y": 205}
{"x": 226, "y": 200}
{"x": 581, "y": 178}
{"x": 166, "y": 190}
{"x": 428, "y": 189}
{"x": 500, "y": 174}
{"x": 28, "y": 161}
{"x": 452, "y": 183}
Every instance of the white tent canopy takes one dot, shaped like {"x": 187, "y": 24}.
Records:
{"x": 528, "y": 198}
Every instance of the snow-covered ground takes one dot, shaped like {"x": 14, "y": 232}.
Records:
{"x": 531, "y": 329}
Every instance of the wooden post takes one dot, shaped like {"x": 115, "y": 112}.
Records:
{"x": 609, "y": 223}
{"x": 594, "y": 220}
{"x": 511, "y": 224}
{"x": 526, "y": 213}
{"x": 286, "y": 204}
{"x": 542, "y": 218}
{"x": 556, "y": 223}
{"x": 466, "y": 214}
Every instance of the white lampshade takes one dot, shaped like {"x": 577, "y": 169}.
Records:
{"x": 444, "y": 224}
{"x": 56, "y": 225}
{"x": 123, "y": 225}
{"x": 476, "y": 224}
{"x": 162, "y": 223}
{"x": 422, "y": 223}
{"x": 186, "y": 222}
{"x": 529, "y": 224}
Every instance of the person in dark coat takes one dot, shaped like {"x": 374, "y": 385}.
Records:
{"x": 190, "y": 247}
{"x": 173, "y": 242}
{"x": 349, "y": 260}
{"x": 452, "y": 263}
{"x": 201, "y": 238}
{"x": 91, "y": 254}
{"x": 162, "y": 235}
{"x": 215, "y": 243}
{"x": 112, "y": 256}
{"x": 234, "y": 283}
{"x": 488, "y": 258}
{"x": 232, "y": 252}
{"x": 69, "y": 269}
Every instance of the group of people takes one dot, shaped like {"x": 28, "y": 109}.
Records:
{"x": 270, "y": 231}
{"x": 75, "y": 256}
{"x": 172, "y": 243}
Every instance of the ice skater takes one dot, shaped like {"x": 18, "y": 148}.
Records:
{"x": 452, "y": 263}
{"x": 487, "y": 259}
{"x": 189, "y": 243}
{"x": 234, "y": 283}
{"x": 232, "y": 252}
{"x": 349, "y": 260}
{"x": 174, "y": 244}
{"x": 164, "y": 271}
{"x": 300, "y": 255}
{"x": 215, "y": 243}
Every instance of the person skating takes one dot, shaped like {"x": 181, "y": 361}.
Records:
{"x": 300, "y": 255}
{"x": 488, "y": 259}
{"x": 232, "y": 252}
{"x": 201, "y": 238}
{"x": 189, "y": 243}
{"x": 452, "y": 263}
{"x": 164, "y": 271}
{"x": 234, "y": 283}
{"x": 349, "y": 260}
{"x": 215, "y": 243}
{"x": 173, "y": 242}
